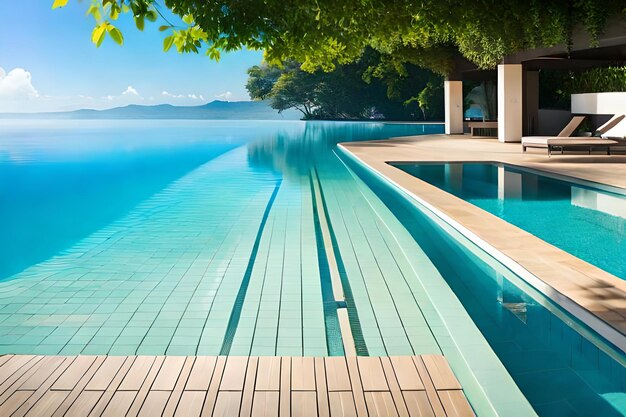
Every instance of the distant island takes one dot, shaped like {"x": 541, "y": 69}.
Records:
{"x": 215, "y": 110}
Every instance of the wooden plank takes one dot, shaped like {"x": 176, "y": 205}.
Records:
{"x": 269, "y": 367}
{"x": 20, "y": 373}
{"x": 112, "y": 388}
{"x": 43, "y": 388}
{"x": 168, "y": 375}
{"x": 74, "y": 373}
{"x": 455, "y": 403}
{"x": 285, "y": 386}
{"x": 227, "y": 404}
{"x": 248, "y": 388}
{"x": 357, "y": 387}
{"x": 190, "y": 404}
{"x": 380, "y": 404}
{"x": 431, "y": 393}
{"x": 337, "y": 374}
{"x": 154, "y": 404}
{"x": 321, "y": 388}
{"x": 440, "y": 372}
{"x": 172, "y": 403}
{"x": 16, "y": 362}
{"x": 145, "y": 387}
{"x": 77, "y": 394}
{"x": 4, "y": 359}
{"x": 303, "y": 404}
{"x": 394, "y": 387}
{"x": 105, "y": 374}
{"x": 372, "y": 374}
{"x": 211, "y": 397}
{"x": 119, "y": 404}
{"x": 33, "y": 367}
{"x": 43, "y": 372}
{"x": 234, "y": 373}
{"x": 418, "y": 404}
{"x": 406, "y": 373}
{"x": 82, "y": 406}
{"x": 16, "y": 401}
{"x": 302, "y": 374}
{"x": 47, "y": 404}
{"x": 137, "y": 373}
{"x": 201, "y": 373}
{"x": 341, "y": 404}
{"x": 265, "y": 404}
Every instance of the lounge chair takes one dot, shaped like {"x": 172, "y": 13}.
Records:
{"x": 596, "y": 142}
{"x": 542, "y": 141}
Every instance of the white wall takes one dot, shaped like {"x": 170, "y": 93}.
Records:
{"x": 510, "y": 103}
{"x": 599, "y": 103}
{"x": 453, "y": 102}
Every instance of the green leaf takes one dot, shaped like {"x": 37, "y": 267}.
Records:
{"x": 151, "y": 15}
{"x": 139, "y": 22}
{"x": 167, "y": 43}
{"x": 164, "y": 28}
{"x": 97, "y": 36}
{"x": 59, "y": 3}
{"x": 188, "y": 19}
{"x": 116, "y": 35}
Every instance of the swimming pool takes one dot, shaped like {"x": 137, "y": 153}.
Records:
{"x": 562, "y": 367}
{"x": 187, "y": 237}
{"x": 583, "y": 220}
{"x": 204, "y": 238}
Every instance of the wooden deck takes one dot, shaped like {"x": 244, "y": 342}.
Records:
{"x": 149, "y": 386}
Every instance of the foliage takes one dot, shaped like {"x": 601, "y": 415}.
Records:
{"x": 358, "y": 90}
{"x": 556, "y": 87}
{"x": 326, "y": 33}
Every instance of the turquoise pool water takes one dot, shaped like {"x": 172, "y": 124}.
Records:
{"x": 561, "y": 366}
{"x": 587, "y": 222}
{"x": 204, "y": 237}
{"x": 188, "y": 237}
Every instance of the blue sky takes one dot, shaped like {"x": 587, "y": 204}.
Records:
{"x": 48, "y": 63}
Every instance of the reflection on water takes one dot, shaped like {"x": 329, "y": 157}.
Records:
{"x": 293, "y": 152}
{"x": 61, "y": 180}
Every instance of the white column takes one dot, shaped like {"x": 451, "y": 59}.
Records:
{"x": 510, "y": 103}
{"x": 453, "y": 101}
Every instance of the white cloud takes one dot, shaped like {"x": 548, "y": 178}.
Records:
{"x": 16, "y": 84}
{"x": 183, "y": 96}
{"x": 130, "y": 91}
{"x": 224, "y": 96}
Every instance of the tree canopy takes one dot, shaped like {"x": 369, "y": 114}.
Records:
{"x": 325, "y": 33}
{"x": 366, "y": 88}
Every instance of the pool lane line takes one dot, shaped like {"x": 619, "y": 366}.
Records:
{"x": 354, "y": 342}
{"x": 339, "y": 339}
{"x": 235, "y": 314}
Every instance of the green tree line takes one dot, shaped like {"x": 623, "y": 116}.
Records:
{"x": 364, "y": 89}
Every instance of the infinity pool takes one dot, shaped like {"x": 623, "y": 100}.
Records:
{"x": 133, "y": 237}
{"x": 587, "y": 222}
{"x": 205, "y": 238}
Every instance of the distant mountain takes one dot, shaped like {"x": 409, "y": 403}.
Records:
{"x": 215, "y": 110}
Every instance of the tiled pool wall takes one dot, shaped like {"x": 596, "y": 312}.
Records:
{"x": 558, "y": 369}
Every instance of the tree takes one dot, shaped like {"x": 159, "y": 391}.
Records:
{"x": 356, "y": 90}
{"x": 326, "y": 33}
